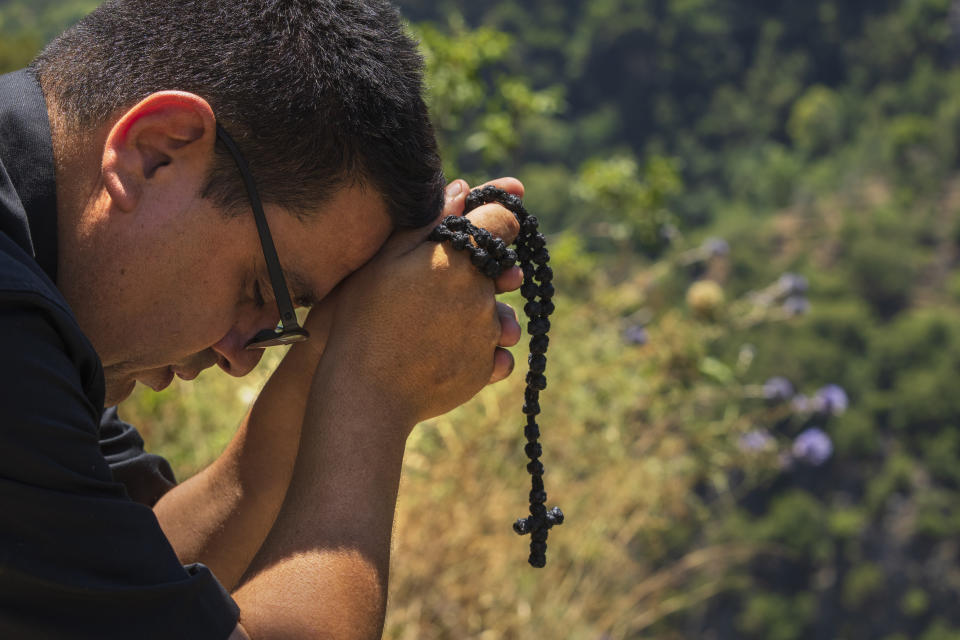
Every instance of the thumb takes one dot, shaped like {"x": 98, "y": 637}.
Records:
{"x": 455, "y": 198}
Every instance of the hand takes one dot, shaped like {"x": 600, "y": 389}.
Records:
{"x": 418, "y": 328}
{"x": 509, "y": 280}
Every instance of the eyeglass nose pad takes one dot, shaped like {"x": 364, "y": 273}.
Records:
{"x": 276, "y": 337}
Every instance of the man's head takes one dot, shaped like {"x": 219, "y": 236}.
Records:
{"x": 324, "y": 100}
{"x": 316, "y": 92}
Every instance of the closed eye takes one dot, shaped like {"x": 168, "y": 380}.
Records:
{"x": 258, "y": 295}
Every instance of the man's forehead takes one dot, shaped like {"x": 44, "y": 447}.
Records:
{"x": 339, "y": 236}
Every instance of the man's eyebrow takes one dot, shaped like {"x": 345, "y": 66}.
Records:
{"x": 303, "y": 294}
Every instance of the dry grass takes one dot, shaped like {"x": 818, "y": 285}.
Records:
{"x": 627, "y": 435}
{"x": 618, "y": 463}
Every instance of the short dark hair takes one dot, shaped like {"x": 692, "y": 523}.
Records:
{"x": 317, "y": 93}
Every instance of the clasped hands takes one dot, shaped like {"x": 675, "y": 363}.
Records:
{"x": 418, "y": 328}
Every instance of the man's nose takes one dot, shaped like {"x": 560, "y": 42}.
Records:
{"x": 232, "y": 354}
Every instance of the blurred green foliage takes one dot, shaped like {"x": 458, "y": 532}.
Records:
{"x": 684, "y": 155}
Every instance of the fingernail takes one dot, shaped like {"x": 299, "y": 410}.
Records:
{"x": 454, "y": 189}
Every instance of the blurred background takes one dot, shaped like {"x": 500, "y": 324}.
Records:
{"x": 753, "y": 415}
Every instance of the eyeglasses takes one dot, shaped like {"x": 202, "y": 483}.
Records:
{"x": 288, "y": 330}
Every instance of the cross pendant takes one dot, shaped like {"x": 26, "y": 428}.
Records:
{"x": 537, "y": 525}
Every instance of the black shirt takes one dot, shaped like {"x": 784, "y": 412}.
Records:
{"x": 81, "y": 552}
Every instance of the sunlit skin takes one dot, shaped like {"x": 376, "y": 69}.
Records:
{"x": 298, "y": 510}
{"x": 188, "y": 296}
{"x": 163, "y": 282}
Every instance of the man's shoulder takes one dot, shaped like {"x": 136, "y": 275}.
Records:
{"x": 21, "y": 278}
{"x": 34, "y": 309}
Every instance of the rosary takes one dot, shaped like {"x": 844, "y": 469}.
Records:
{"x": 491, "y": 256}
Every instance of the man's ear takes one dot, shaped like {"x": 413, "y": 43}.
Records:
{"x": 168, "y": 136}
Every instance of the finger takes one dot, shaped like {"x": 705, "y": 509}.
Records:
{"x": 497, "y": 220}
{"x": 509, "y": 325}
{"x": 502, "y": 364}
{"x": 509, "y": 280}
{"x": 510, "y": 185}
{"x": 455, "y": 196}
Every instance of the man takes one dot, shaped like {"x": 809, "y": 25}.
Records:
{"x": 145, "y": 259}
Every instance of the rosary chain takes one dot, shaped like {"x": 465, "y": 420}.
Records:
{"x": 492, "y": 257}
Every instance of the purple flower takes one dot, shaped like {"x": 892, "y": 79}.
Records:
{"x": 831, "y": 399}
{"x": 756, "y": 440}
{"x": 812, "y": 446}
{"x": 792, "y": 284}
{"x": 778, "y": 389}
{"x": 636, "y": 334}
{"x": 716, "y": 247}
{"x": 796, "y": 306}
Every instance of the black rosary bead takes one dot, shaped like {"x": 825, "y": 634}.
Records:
{"x": 521, "y": 526}
{"x": 538, "y": 326}
{"x": 482, "y": 237}
{"x": 538, "y": 555}
{"x": 496, "y": 250}
{"x": 538, "y": 363}
{"x": 539, "y": 344}
{"x": 536, "y": 483}
{"x": 492, "y": 257}
{"x": 478, "y": 257}
{"x": 529, "y": 290}
{"x": 537, "y": 380}
{"x": 555, "y": 516}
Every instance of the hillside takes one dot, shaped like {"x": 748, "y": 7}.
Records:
{"x": 754, "y": 215}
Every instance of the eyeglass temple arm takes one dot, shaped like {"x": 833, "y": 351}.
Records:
{"x": 288, "y": 319}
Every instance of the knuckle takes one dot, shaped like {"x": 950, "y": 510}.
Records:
{"x": 495, "y": 330}
{"x": 506, "y": 222}
{"x": 496, "y": 219}
{"x": 507, "y": 310}
{"x": 513, "y": 225}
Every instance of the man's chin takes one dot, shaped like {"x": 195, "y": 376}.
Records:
{"x": 118, "y": 391}
{"x": 157, "y": 379}
{"x": 119, "y": 387}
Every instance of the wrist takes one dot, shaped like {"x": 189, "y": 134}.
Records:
{"x": 363, "y": 403}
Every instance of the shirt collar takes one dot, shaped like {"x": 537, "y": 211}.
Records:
{"x": 26, "y": 153}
